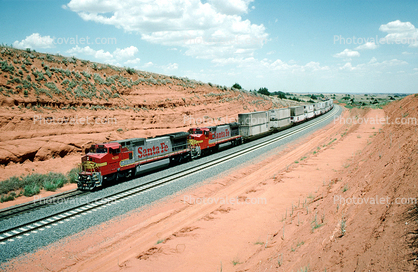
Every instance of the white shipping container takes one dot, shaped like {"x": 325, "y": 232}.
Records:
{"x": 278, "y": 114}
{"x": 249, "y": 131}
{"x": 253, "y": 118}
{"x": 308, "y": 108}
{"x": 310, "y": 115}
{"x": 280, "y": 123}
{"x": 296, "y": 110}
{"x": 298, "y": 118}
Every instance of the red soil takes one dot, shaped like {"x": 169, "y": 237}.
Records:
{"x": 279, "y": 232}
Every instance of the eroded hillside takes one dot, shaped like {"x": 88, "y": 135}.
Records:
{"x": 53, "y": 107}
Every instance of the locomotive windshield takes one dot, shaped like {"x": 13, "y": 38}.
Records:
{"x": 195, "y": 131}
{"x": 98, "y": 150}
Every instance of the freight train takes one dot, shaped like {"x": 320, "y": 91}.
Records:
{"x": 116, "y": 160}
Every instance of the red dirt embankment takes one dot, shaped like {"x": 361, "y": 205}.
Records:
{"x": 294, "y": 216}
{"x": 52, "y": 108}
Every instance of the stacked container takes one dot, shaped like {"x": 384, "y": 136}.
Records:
{"x": 309, "y": 111}
{"x": 317, "y": 109}
{"x": 280, "y": 118}
{"x": 254, "y": 124}
{"x": 297, "y": 114}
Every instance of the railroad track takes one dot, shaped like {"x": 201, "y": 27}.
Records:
{"x": 26, "y": 229}
{"x": 38, "y": 203}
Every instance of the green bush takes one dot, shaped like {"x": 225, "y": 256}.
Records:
{"x": 10, "y": 184}
{"x": 31, "y": 190}
{"x": 5, "y": 198}
{"x": 52, "y": 181}
{"x": 130, "y": 71}
{"x": 72, "y": 175}
{"x": 237, "y": 86}
{"x": 5, "y": 67}
{"x": 33, "y": 179}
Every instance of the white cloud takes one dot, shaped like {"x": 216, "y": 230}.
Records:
{"x": 347, "y": 53}
{"x": 407, "y": 53}
{"x": 128, "y": 52}
{"x": 373, "y": 65}
{"x": 102, "y": 55}
{"x": 207, "y": 30}
{"x": 315, "y": 66}
{"x": 171, "y": 67}
{"x": 347, "y": 67}
{"x": 133, "y": 61}
{"x": 81, "y": 50}
{"x": 267, "y": 65}
{"x": 148, "y": 64}
{"x": 397, "y": 27}
{"x": 400, "y": 33}
{"x": 394, "y": 62}
{"x": 231, "y": 7}
{"x": 367, "y": 45}
{"x": 35, "y": 41}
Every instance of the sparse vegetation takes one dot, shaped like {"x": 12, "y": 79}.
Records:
{"x": 237, "y": 86}
{"x": 32, "y": 184}
{"x": 342, "y": 226}
{"x": 345, "y": 188}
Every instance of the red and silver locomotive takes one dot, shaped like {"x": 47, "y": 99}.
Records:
{"x": 130, "y": 157}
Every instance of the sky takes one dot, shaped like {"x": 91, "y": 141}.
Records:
{"x": 314, "y": 46}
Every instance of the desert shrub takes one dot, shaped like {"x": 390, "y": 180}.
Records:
{"x": 6, "y": 68}
{"x": 77, "y": 75}
{"x": 33, "y": 179}
{"x": 39, "y": 76}
{"x": 237, "y": 86}
{"x": 130, "y": 71}
{"x": 85, "y": 74}
{"x": 31, "y": 190}
{"x": 56, "y": 179}
{"x": 51, "y": 86}
{"x": 9, "y": 197}
{"x": 10, "y": 184}
{"x": 72, "y": 175}
{"x": 98, "y": 79}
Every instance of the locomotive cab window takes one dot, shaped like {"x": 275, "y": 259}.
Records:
{"x": 101, "y": 150}
{"x": 114, "y": 151}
